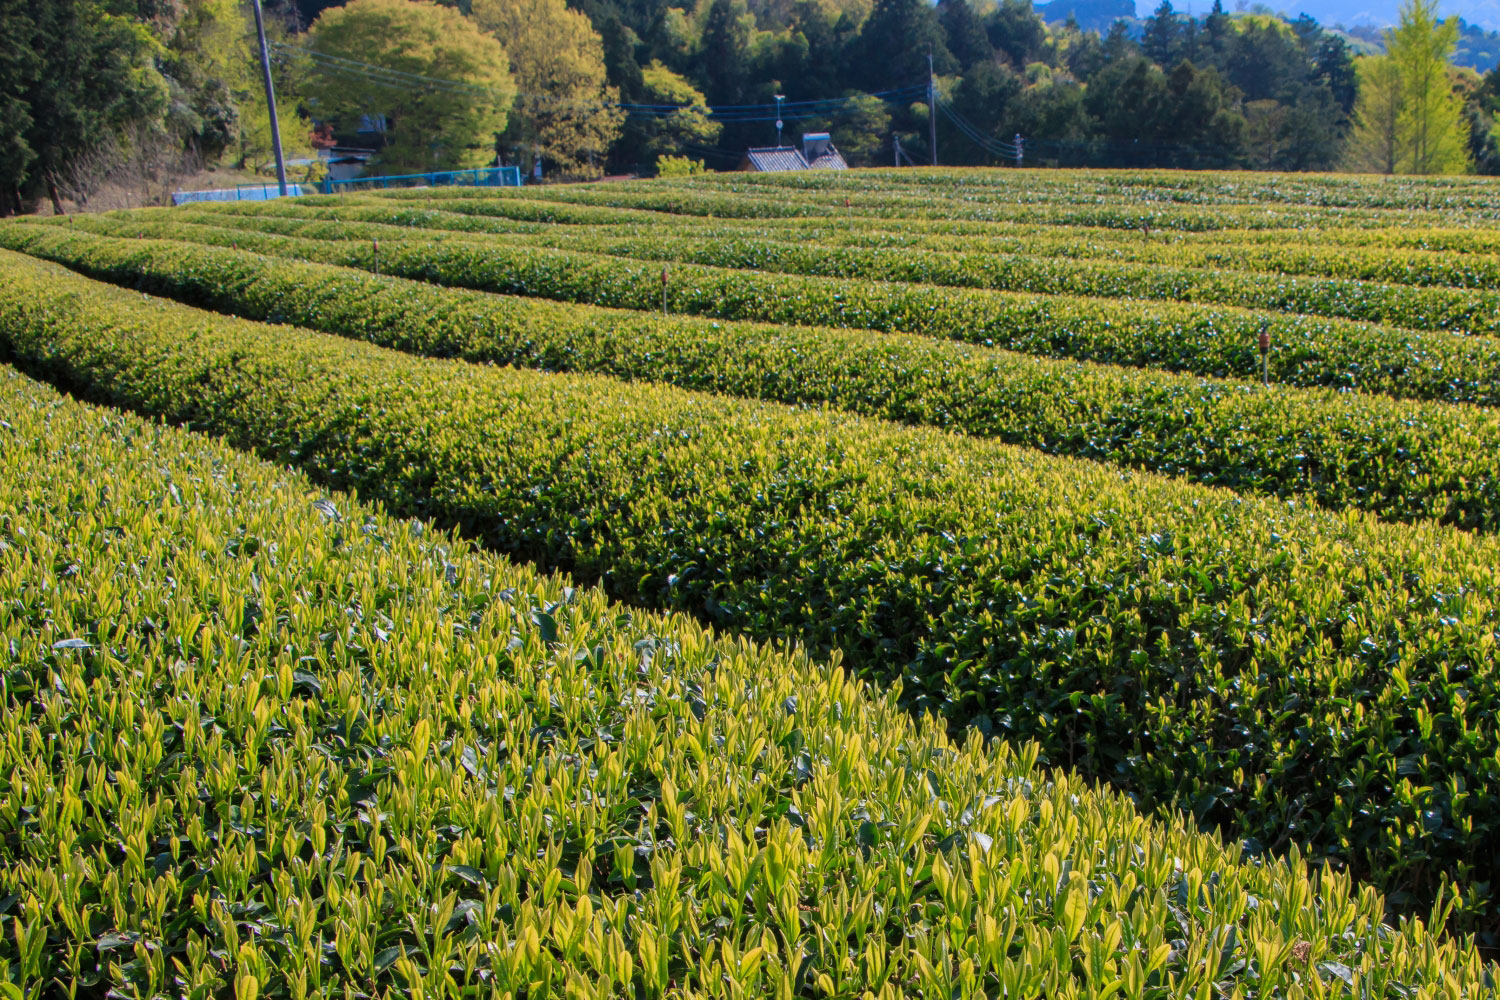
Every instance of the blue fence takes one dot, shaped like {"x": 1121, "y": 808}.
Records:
{"x": 245, "y": 192}
{"x": 482, "y": 177}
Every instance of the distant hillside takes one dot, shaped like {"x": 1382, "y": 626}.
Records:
{"x": 1361, "y": 22}
{"x": 1478, "y": 48}
{"x": 1379, "y": 13}
{"x": 1091, "y": 15}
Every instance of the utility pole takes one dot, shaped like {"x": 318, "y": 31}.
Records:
{"x": 931, "y": 108}
{"x": 779, "y": 99}
{"x": 265, "y": 70}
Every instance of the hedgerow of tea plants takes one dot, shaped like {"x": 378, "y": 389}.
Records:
{"x": 1232, "y": 251}
{"x": 263, "y": 741}
{"x": 1400, "y": 459}
{"x": 1425, "y": 308}
{"x": 1307, "y": 678}
{"x": 1213, "y": 341}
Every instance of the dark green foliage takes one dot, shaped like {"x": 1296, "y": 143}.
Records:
{"x": 74, "y": 74}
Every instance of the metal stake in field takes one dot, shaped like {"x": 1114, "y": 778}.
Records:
{"x": 377, "y": 255}
{"x": 663, "y": 291}
{"x": 1265, "y": 355}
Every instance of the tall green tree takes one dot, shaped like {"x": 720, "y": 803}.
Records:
{"x": 1375, "y": 144}
{"x": 1433, "y": 131}
{"x": 965, "y": 33}
{"x": 722, "y": 61}
{"x": 1016, "y": 32}
{"x": 684, "y": 131}
{"x": 79, "y": 77}
{"x": 892, "y": 48}
{"x": 447, "y": 113}
{"x": 565, "y": 111}
{"x": 1162, "y": 41}
{"x": 18, "y": 65}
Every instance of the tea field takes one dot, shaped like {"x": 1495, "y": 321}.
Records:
{"x": 871, "y": 584}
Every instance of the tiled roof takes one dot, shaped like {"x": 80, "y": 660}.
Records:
{"x": 830, "y": 160}
{"x": 771, "y": 158}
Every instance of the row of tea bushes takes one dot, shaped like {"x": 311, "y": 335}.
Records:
{"x": 1308, "y": 678}
{"x": 1400, "y": 459}
{"x": 1332, "y": 230}
{"x": 1392, "y": 265}
{"x": 259, "y": 741}
{"x": 1420, "y": 308}
{"x": 1125, "y": 212}
{"x": 1218, "y": 342}
{"x": 1455, "y": 194}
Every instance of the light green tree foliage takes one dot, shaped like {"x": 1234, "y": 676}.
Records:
{"x": 1434, "y": 133}
{"x": 444, "y": 125}
{"x": 669, "y": 134}
{"x": 1409, "y": 116}
{"x": 253, "y": 145}
{"x": 564, "y": 112}
{"x": 678, "y": 166}
{"x": 1375, "y": 144}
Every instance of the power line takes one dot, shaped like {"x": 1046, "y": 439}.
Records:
{"x": 727, "y": 114}
{"x": 995, "y": 147}
{"x": 379, "y": 74}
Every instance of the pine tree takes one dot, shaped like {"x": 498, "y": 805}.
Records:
{"x": 1161, "y": 40}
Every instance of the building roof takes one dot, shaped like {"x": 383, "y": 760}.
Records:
{"x": 775, "y": 158}
{"x": 830, "y": 160}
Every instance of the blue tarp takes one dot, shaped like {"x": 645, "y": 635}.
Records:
{"x": 482, "y": 177}
{"x": 245, "y": 192}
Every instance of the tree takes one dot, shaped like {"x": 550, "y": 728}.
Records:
{"x": 678, "y": 131}
{"x": 565, "y": 112}
{"x": 861, "y": 130}
{"x": 1433, "y": 131}
{"x": 982, "y": 98}
{"x": 18, "y": 65}
{"x": 1335, "y": 70}
{"x": 721, "y": 52}
{"x": 1218, "y": 30}
{"x": 620, "y": 65}
{"x": 1016, "y": 31}
{"x": 1203, "y": 119}
{"x": 965, "y": 33}
{"x": 451, "y": 99}
{"x": 893, "y": 46}
{"x": 1376, "y": 142}
{"x": 87, "y": 84}
{"x": 1162, "y": 41}
{"x": 208, "y": 65}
